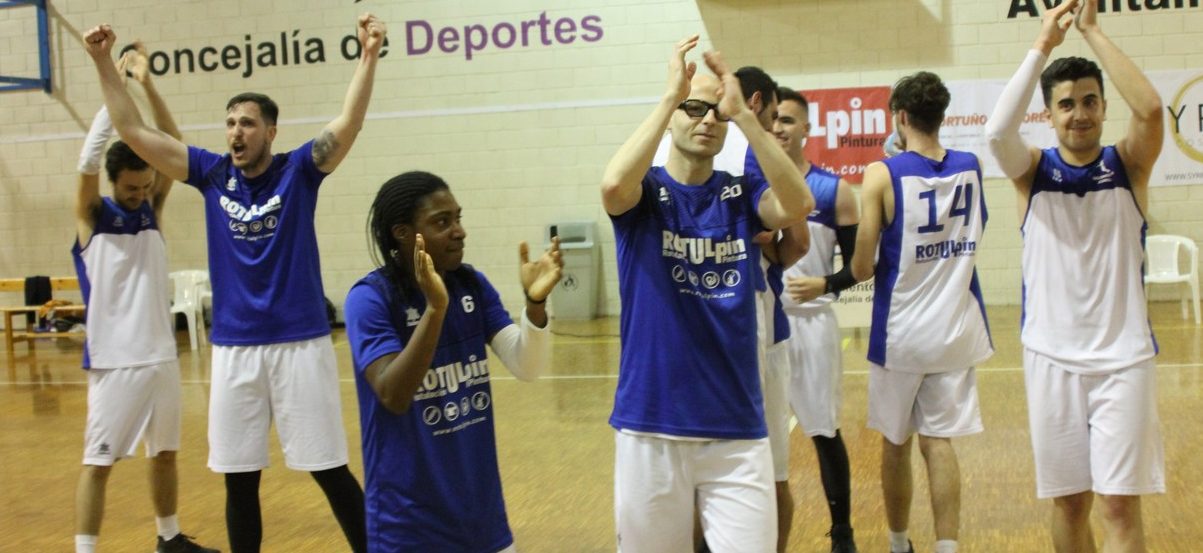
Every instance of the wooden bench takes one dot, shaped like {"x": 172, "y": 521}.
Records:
{"x": 27, "y": 334}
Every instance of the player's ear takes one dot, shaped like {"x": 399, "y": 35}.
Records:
{"x": 402, "y": 233}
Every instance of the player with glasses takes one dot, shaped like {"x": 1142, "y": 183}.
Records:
{"x": 688, "y": 413}
{"x": 699, "y": 108}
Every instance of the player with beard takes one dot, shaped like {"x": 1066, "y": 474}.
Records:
{"x": 273, "y": 360}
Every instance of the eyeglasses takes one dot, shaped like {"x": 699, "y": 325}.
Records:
{"x": 699, "y": 108}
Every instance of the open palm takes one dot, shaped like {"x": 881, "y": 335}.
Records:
{"x": 539, "y": 277}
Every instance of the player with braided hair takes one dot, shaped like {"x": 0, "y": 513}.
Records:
{"x": 418, "y": 326}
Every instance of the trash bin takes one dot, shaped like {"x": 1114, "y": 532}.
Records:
{"x": 576, "y": 295}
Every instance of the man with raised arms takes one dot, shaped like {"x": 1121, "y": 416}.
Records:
{"x": 688, "y": 412}
{"x": 273, "y": 361}
{"x": 130, "y": 354}
{"x": 1088, "y": 346}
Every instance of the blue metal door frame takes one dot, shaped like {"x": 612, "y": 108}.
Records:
{"x": 26, "y": 83}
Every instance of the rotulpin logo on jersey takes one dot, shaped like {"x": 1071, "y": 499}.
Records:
{"x": 239, "y": 212}
{"x": 699, "y": 250}
{"x": 945, "y": 249}
{"x": 447, "y": 379}
{"x": 1186, "y": 118}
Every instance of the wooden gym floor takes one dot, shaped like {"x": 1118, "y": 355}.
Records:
{"x": 556, "y": 454}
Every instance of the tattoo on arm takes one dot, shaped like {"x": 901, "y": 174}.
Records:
{"x": 323, "y": 147}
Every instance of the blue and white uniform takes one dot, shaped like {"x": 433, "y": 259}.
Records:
{"x": 771, "y": 284}
{"x": 1083, "y": 249}
{"x": 928, "y": 313}
{"x": 688, "y": 409}
{"x": 122, "y": 274}
{"x": 929, "y": 321}
{"x": 1088, "y": 344}
{"x": 272, "y": 356}
{"x": 432, "y": 481}
{"x": 133, "y": 381}
{"x": 815, "y": 359}
{"x": 773, "y": 331}
{"x": 820, "y": 258}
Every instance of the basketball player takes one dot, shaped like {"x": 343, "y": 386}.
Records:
{"x": 814, "y": 350}
{"x": 1088, "y": 345}
{"x": 273, "y": 360}
{"x": 133, "y": 372}
{"x": 925, "y": 209}
{"x": 418, "y": 326}
{"x": 780, "y": 250}
{"x": 777, "y": 248}
{"x": 688, "y": 413}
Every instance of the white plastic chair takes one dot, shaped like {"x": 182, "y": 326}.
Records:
{"x": 1162, "y": 266}
{"x": 186, "y": 300}
{"x": 204, "y": 292}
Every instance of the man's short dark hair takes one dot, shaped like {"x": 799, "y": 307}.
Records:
{"x": 121, "y": 157}
{"x": 267, "y": 107}
{"x": 753, "y": 80}
{"x": 787, "y": 94}
{"x": 924, "y": 98}
{"x": 1068, "y": 69}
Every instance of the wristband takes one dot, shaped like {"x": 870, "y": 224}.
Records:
{"x": 840, "y": 281}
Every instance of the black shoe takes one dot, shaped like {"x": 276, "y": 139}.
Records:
{"x": 841, "y": 539}
{"x": 181, "y": 544}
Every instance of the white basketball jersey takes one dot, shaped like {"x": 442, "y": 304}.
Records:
{"x": 820, "y": 258}
{"x": 1083, "y": 251}
{"x": 123, "y": 276}
{"x": 928, "y": 314}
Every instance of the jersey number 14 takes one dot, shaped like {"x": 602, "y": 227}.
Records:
{"x": 959, "y": 208}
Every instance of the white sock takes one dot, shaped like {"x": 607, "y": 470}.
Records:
{"x": 85, "y": 543}
{"x": 899, "y": 543}
{"x": 946, "y": 546}
{"x": 169, "y": 527}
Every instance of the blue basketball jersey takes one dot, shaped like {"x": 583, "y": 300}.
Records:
{"x": 263, "y": 255}
{"x": 1083, "y": 253}
{"x": 772, "y": 280}
{"x": 431, "y": 476}
{"x": 686, "y": 268}
{"x": 928, "y": 313}
{"x": 122, "y": 272}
